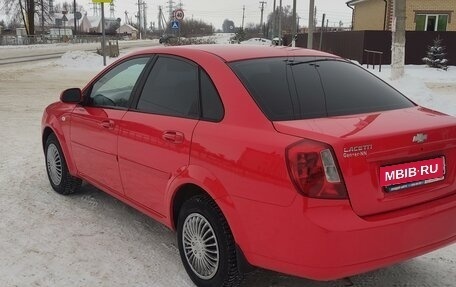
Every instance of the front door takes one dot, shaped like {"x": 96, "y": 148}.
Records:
{"x": 95, "y": 124}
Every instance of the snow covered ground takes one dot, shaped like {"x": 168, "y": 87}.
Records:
{"x": 92, "y": 239}
{"x": 432, "y": 88}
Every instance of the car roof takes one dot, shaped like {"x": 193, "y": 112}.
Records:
{"x": 233, "y": 52}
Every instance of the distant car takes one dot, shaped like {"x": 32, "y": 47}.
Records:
{"x": 276, "y": 41}
{"x": 257, "y": 41}
{"x": 288, "y": 159}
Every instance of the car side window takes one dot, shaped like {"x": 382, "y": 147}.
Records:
{"x": 212, "y": 107}
{"x": 114, "y": 88}
{"x": 171, "y": 89}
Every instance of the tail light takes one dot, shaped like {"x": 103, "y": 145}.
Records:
{"x": 314, "y": 171}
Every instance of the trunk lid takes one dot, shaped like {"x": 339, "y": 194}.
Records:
{"x": 365, "y": 143}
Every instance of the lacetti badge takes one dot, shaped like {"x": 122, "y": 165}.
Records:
{"x": 420, "y": 138}
{"x": 356, "y": 151}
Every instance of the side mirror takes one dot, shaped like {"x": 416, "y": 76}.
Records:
{"x": 71, "y": 96}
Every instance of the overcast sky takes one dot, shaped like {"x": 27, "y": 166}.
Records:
{"x": 216, "y": 11}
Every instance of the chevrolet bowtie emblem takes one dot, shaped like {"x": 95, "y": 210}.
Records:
{"x": 420, "y": 138}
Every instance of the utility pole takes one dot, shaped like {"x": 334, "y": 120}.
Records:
{"x": 103, "y": 33}
{"x": 321, "y": 30}
{"x": 294, "y": 31}
{"x": 311, "y": 25}
{"x": 74, "y": 16}
{"x": 170, "y": 9}
{"x": 261, "y": 21}
{"x": 398, "y": 49}
{"x": 160, "y": 18}
{"x": 145, "y": 18}
{"x": 51, "y": 7}
{"x": 280, "y": 23}
{"x": 273, "y": 19}
{"x": 112, "y": 10}
{"x": 42, "y": 17}
{"x": 139, "y": 19}
{"x": 243, "y": 16}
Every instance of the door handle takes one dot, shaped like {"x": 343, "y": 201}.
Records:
{"x": 108, "y": 124}
{"x": 173, "y": 137}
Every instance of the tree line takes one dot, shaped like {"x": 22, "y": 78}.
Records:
{"x": 251, "y": 30}
{"x": 27, "y": 11}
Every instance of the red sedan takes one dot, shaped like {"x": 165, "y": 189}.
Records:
{"x": 287, "y": 159}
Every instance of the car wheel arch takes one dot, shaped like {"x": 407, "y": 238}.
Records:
{"x": 192, "y": 182}
{"x": 47, "y": 131}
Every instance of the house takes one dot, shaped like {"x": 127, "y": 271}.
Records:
{"x": 92, "y": 24}
{"x": 422, "y": 15}
{"x": 128, "y": 31}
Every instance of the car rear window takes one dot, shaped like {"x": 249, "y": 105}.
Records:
{"x": 305, "y": 88}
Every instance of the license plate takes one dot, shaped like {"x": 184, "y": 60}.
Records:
{"x": 406, "y": 175}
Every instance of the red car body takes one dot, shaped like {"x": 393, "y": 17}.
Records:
{"x": 243, "y": 163}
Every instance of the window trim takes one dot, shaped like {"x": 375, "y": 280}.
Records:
{"x": 88, "y": 90}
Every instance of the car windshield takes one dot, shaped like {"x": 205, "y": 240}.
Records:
{"x": 309, "y": 87}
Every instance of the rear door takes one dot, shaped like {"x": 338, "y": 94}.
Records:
{"x": 95, "y": 124}
{"x": 155, "y": 136}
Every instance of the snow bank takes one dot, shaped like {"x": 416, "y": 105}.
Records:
{"x": 83, "y": 60}
{"x": 219, "y": 38}
{"x": 428, "y": 87}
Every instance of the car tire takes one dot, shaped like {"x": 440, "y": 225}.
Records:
{"x": 57, "y": 170}
{"x": 206, "y": 244}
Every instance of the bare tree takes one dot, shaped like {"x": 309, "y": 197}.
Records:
{"x": 25, "y": 11}
{"x": 287, "y": 19}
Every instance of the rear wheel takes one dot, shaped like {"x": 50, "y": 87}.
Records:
{"x": 59, "y": 177}
{"x": 206, "y": 244}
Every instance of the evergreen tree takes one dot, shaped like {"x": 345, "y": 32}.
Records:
{"x": 436, "y": 55}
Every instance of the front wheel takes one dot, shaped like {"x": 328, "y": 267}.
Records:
{"x": 206, "y": 244}
{"x": 59, "y": 177}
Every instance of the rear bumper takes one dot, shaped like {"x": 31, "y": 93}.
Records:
{"x": 326, "y": 240}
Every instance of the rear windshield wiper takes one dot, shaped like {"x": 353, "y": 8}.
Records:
{"x": 313, "y": 61}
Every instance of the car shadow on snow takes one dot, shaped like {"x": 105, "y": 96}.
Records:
{"x": 417, "y": 272}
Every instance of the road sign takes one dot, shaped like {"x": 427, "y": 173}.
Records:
{"x": 64, "y": 18}
{"x": 78, "y": 15}
{"x": 179, "y": 14}
{"x": 174, "y": 24}
{"x": 101, "y": 1}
